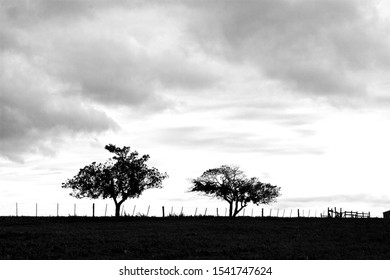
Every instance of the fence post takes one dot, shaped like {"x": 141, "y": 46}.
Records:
{"x": 36, "y": 209}
{"x": 134, "y": 210}
{"x": 270, "y": 212}
{"x": 93, "y": 209}
{"x": 147, "y": 213}
{"x": 181, "y": 211}
{"x": 298, "y": 213}
{"x": 262, "y": 212}
{"x": 284, "y": 210}
{"x": 163, "y": 211}
{"x": 74, "y": 209}
{"x": 252, "y": 213}
{"x": 16, "y": 209}
{"x": 217, "y": 212}
{"x": 196, "y": 210}
{"x": 290, "y": 213}
{"x": 58, "y": 209}
{"x": 369, "y": 215}
{"x": 205, "y": 211}
{"x": 105, "y": 211}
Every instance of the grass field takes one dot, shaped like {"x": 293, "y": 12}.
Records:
{"x": 193, "y": 238}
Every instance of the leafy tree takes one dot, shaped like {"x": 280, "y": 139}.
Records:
{"x": 125, "y": 175}
{"x": 230, "y": 183}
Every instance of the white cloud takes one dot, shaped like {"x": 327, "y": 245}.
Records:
{"x": 315, "y": 48}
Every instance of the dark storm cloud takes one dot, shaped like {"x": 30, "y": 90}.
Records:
{"x": 61, "y": 58}
{"x": 34, "y": 117}
{"x": 101, "y": 50}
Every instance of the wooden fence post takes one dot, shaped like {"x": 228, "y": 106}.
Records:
{"x": 16, "y": 209}
{"x": 217, "y": 212}
{"x": 252, "y": 213}
{"x": 93, "y": 209}
{"x": 298, "y": 213}
{"x": 163, "y": 212}
{"x": 74, "y": 210}
{"x": 134, "y": 210}
{"x": 181, "y": 211}
{"x": 196, "y": 210}
{"x": 205, "y": 211}
{"x": 262, "y": 212}
{"x": 105, "y": 211}
{"x": 147, "y": 213}
{"x": 270, "y": 212}
{"x": 58, "y": 206}
{"x": 36, "y": 209}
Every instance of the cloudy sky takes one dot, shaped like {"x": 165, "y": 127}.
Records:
{"x": 294, "y": 92}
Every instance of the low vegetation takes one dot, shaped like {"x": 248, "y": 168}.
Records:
{"x": 193, "y": 238}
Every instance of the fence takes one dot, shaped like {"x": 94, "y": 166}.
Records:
{"x": 100, "y": 209}
{"x": 333, "y": 213}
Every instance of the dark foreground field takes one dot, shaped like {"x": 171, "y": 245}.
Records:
{"x": 193, "y": 238}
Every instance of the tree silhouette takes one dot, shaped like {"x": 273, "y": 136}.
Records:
{"x": 230, "y": 183}
{"x": 123, "y": 176}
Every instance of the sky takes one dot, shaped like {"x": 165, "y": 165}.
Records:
{"x": 296, "y": 93}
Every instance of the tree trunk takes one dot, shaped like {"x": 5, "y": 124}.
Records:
{"x": 231, "y": 209}
{"x": 117, "y": 209}
{"x": 236, "y": 209}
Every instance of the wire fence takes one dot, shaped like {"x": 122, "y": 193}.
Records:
{"x": 101, "y": 209}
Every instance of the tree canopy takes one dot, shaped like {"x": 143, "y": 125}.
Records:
{"x": 125, "y": 175}
{"x": 230, "y": 183}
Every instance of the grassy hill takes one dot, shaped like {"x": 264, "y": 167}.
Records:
{"x": 193, "y": 238}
